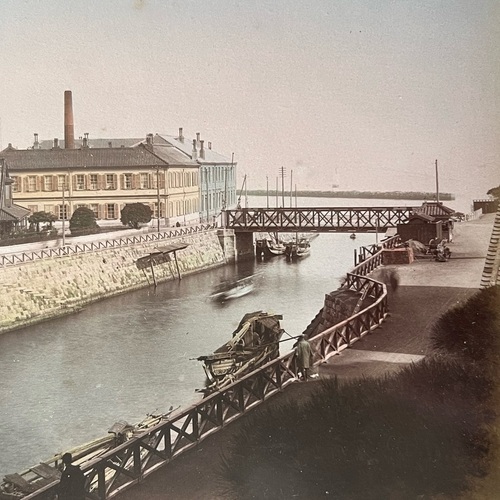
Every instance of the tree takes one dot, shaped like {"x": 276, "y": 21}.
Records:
{"x": 134, "y": 214}
{"x": 495, "y": 192}
{"x": 83, "y": 220}
{"x": 40, "y": 218}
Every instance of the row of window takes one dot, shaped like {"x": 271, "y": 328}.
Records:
{"x": 112, "y": 210}
{"x": 217, "y": 174}
{"x": 94, "y": 182}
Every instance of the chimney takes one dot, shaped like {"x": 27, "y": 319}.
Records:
{"x": 85, "y": 142}
{"x": 56, "y": 143}
{"x": 195, "y": 153}
{"x": 202, "y": 151}
{"x": 69, "y": 132}
{"x": 197, "y": 138}
{"x": 209, "y": 145}
{"x": 110, "y": 144}
{"x": 181, "y": 137}
{"x": 36, "y": 144}
{"x": 149, "y": 140}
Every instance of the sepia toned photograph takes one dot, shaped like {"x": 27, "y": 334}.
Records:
{"x": 249, "y": 250}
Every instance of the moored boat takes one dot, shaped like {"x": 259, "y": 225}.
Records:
{"x": 269, "y": 247}
{"x": 20, "y": 485}
{"x": 298, "y": 249}
{"x": 254, "y": 343}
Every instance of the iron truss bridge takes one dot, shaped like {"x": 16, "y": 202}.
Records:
{"x": 319, "y": 219}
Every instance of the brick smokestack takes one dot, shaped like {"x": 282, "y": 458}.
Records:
{"x": 69, "y": 130}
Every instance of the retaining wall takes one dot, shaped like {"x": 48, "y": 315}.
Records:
{"x": 51, "y": 287}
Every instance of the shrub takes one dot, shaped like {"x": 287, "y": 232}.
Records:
{"x": 471, "y": 330}
{"x": 362, "y": 439}
{"x": 134, "y": 214}
{"x": 83, "y": 221}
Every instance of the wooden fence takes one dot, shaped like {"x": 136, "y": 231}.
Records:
{"x": 134, "y": 460}
{"x": 14, "y": 259}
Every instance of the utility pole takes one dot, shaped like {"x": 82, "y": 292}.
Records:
{"x": 63, "y": 213}
{"x": 437, "y": 183}
{"x": 282, "y": 174}
{"x": 291, "y": 185}
{"x": 267, "y": 191}
{"x": 206, "y": 187}
{"x": 158, "y": 195}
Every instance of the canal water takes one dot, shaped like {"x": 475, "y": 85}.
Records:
{"x": 66, "y": 381}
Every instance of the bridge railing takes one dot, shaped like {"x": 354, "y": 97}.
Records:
{"x": 135, "y": 459}
{"x": 14, "y": 259}
{"x": 334, "y": 219}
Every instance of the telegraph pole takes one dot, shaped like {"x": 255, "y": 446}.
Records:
{"x": 158, "y": 195}
{"x": 282, "y": 174}
{"x": 437, "y": 183}
{"x": 63, "y": 213}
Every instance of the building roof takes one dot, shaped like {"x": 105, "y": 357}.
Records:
{"x": 33, "y": 159}
{"x": 434, "y": 209}
{"x": 96, "y": 143}
{"x": 421, "y": 216}
{"x": 13, "y": 213}
{"x": 186, "y": 146}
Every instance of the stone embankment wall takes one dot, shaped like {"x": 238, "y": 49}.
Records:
{"x": 52, "y": 287}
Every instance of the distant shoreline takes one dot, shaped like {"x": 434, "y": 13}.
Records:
{"x": 386, "y": 195}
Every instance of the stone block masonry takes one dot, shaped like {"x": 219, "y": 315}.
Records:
{"x": 51, "y": 287}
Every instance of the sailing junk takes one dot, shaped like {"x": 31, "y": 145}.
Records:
{"x": 254, "y": 343}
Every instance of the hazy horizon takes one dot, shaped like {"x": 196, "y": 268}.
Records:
{"x": 363, "y": 94}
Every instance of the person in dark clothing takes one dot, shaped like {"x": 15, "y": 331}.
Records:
{"x": 72, "y": 483}
{"x": 304, "y": 356}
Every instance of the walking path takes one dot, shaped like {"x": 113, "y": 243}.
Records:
{"x": 427, "y": 289}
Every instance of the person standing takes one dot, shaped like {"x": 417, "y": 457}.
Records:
{"x": 304, "y": 356}
{"x": 72, "y": 482}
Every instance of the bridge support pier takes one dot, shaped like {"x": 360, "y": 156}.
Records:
{"x": 244, "y": 246}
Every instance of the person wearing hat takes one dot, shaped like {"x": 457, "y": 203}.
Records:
{"x": 304, "y": 356}
{"x": 72, "y": 482}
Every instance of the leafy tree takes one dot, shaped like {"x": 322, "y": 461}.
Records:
{"x": 494, "y": 192}
{"x": 42, "y": 218}
{"x": 83, "y": 219}
{"x": 134, "y": 214}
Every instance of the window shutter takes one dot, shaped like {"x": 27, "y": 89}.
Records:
{"x": 99, "y": 211}
{"x": 101, "y": 181}
{"x": 122, "y": 181}
{"x": 115, "y": 181}
{"x": 73, "y": 182}
{"x": 136, "y": 181}
{"x": 162, "y": 179}
{"x": 116, "y": 211}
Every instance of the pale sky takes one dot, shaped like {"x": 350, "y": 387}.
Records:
{"x": 364, "y": 93}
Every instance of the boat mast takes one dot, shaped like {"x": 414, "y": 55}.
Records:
{"x": 241, "y": 191}
{"x": 267, "y": 191}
